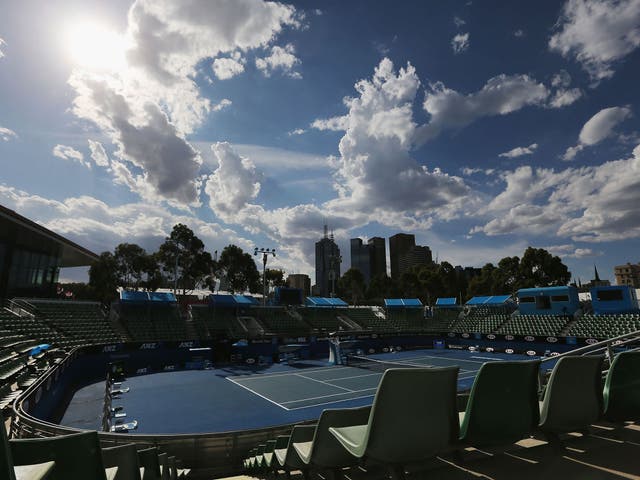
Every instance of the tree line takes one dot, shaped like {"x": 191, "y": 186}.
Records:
{"x": 536, "y": 268}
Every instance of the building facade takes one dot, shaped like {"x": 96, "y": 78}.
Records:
{"x": 400, "y": 244}
{"x": 301, "y": 281}
{"x": 377, "y": 257}
{"x": 628, "y": 274}
{"x": 328, "y": 262}
{"x": 361, "y": 258}
{"x": 416, "y": 256}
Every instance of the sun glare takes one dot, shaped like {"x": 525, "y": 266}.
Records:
{"x": 94, "y": 46}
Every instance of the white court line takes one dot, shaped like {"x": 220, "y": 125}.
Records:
{"x": 256, "y": 393}
{"x": 324, "y": 383}
{"x": 489, "y": 358}
{"x": 327, "y": 396}
{"x": 349, "y": 378}
{"x": 441, "y": 358}
{"x": 269, "y": 375}
{"x": 328, "y": 403}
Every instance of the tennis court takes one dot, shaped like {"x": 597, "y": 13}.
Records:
{"x": 308, "y": 388}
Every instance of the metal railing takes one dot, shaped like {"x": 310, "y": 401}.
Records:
{"x": 606, "y": 345}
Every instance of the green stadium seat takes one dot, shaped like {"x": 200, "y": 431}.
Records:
{"x": 173, "y": 470}
{"x": 573, "y": 397}
{"x": 257, "y": 460}
{"x": 125, "y": 457}
{"x": 76, "y": 456}
{"x": 503, "y": 404}
{"x": 8, "y": 471}
{"x": 622, "y": 388}
{"x": 324, "y": 451}
{"x": 288, "y": 458}
{"x": 267, "y": 456}
{"x": 148, "y": 459}
{"x": 413, "y": 418}
{"x": 164, "y": 466}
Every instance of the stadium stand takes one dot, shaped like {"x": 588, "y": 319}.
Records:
{"x": 543, "y": 325}
{"x": 605, "y": 326}
{"x": 217, "y": 322}
{"x": 153, "y": 322}
{"x": 282, "y": 320}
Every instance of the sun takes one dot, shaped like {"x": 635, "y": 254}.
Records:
{"x": 94, "y": 46}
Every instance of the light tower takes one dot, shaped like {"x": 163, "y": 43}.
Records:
{"x": 265, "y": 254}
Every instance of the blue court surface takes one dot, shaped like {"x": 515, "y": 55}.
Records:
{"x": 238, "y": 398}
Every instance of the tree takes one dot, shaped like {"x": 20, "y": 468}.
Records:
{"x": 541, "y": 269}
{"x": 351, "y": 286}
{"x": 131, "y": 263}
{"x": 483, "y": 284}
{"x": 238, "y": 270}
{"x": 381, "y": 287}
{"x": 508, "y": 277}
{"x": 103, "y": 278}
{"x": 275, "y": 278}
{"x": 184, "y": 260}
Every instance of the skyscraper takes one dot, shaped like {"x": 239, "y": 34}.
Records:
{"x": 377, "y": 257}
{"x": 361, "y": 258}
{"x": 328, "y": 261}
{"x": 399, "y": 244}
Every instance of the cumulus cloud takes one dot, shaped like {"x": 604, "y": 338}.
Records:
{"x": 565, "y": 97}
{"x": 597, "y": 128}
{"x": 296, "y": 131}
{"x": 233, "y": 184}
{"x": 2, "y": 44}
{"x": 69, "y": 153}
{"x": 588, "y": 204}
{"x": 460, "y": 43}
{"x": 571, "y": 251}
{"x": 98, "y": 154}
{"x": 499, "y": 96}
{"x": 597, "y": 33}
{"x": 228, "y": 67}
{"x": 221, "y": 105}
{"x": 282, "y": 59}
{"x": 7, "y": 134}
{"x": 520, "y": 151}
{"x": 334, "y": 124}
{"x": 99, "y": 226}
{"x": 149, "y": 107}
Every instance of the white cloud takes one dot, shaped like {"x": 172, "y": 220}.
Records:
{"x": 460, "y": 43}
{"x": 571, "y": 251}
{"x": 597, "y": 128}
{"x": 587, "y": 204}
{"x": 561, "y": 79}
{"x": 334, "y": 124}
{"x": 98, "y": 154}
{"x": 519, "y": 33}
{"x": 147, "y": 108}
{"x": 597, "y": 33}
{"x": 228, "y": 67}
{"x": 233, "y": 184}
{"x": 7, "y": 134}
{"x": 98, "y": 226}
{"x": 499, "y": 96}
{"x": 69, "y": 153}
{"x": 459, "y": 22}
{"x": 520, "y": 151}
{"x": 297, "y": 131}
{"x": 565, "y": 97}
{"x": 281, "y": 58}
{"x": 2, "y": 42}
{"x": 221, "y": 105}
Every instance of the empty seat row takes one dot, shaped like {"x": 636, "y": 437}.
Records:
{"x": 79, "y": 457}
{"x": 414, "y": 415}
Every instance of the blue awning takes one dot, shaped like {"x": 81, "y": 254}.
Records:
{"x": 490, "y": 300}
{"x": 402, "y": 303}
{"x": 447, "y": 301}
{"x": 325, "y": 302}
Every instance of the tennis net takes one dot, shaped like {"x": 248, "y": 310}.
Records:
{"x": 380, "y": 366}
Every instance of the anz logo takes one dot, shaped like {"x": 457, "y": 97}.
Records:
{"x": 531, "y": 353}
{"x": 465, "y": 335}
{"x": 488, "y": 349}
{"x": 590, "y": 341}
{"x": 508, "y": 337}
{"x": 109, "y": 348}
{"x": 185, "y": 345}
{"x": 509, "y": 351}
{"x": 148, "y": 346}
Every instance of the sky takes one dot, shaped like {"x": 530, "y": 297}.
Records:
{"x": 482, "y": 127}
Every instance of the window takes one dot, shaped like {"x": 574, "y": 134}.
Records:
{"x": 527, "y": 300}
{"x": 560, "y": 298}
{"x": 609, "y": 295}
{"x": 543, "y": 303}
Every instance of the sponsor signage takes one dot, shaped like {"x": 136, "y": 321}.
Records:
{"x": 109, "y": 348}
{"x": 186, "y": 345}
{"x": 451, "y": 334}
{"x": 508, "y": 350}
{"x": 149, "y": 346}
{"x": 491, "y": 336}
{"x": 590, "y": 341}
{"x": 465, "y": 335}
{"x": 508, "y": 337}
{"x": 552, "y": 339}
{"x": 489, "y": 349}
{"x": 529, "y": 338}
{"x": 531, "y": 353}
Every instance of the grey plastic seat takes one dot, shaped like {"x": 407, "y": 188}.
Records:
{"x": 503, "y": 404}
{"x": 288, "y": 458}
{"x": 622, "y": 388}
{"x": 164, "y": 466}
{"x": 573, "y": 397}
{"x": 267, "y": 456}
{"x": 76, "y": 456}
{"x": 148, "y": 459}
{"x": 173, "y": 470}
{"x": 257, "y": 460}
{"x": 125, "y": 457}
{"x": 413, "y": 418}
{"x": 324, "y": 450}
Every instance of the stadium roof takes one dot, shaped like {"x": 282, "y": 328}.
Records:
{"x": 232, "y": 300}
{"x": 32, "y": 236}
{"x": 448, "y": 302}
{"x": 325, "y": 302}
{"x": 490, "y": 300}
{"x": 402, "y": 303}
